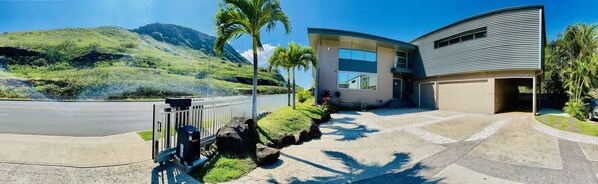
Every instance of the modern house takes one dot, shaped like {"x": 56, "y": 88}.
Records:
{"x": 478, "y": 64}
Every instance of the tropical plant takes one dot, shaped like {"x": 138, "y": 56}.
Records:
{"x": 294, "y": 57}
{"x": 337, "y": 94}
{"x": 300, "y": 57}
{"x": 326, "y": 93}
{"x": 303, "y": 95}
{"x": 235, "y": 18}
{"x": 280, "y": 59}
{"x": 575, "y": 54}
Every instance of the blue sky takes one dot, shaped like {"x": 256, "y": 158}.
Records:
{"x": 401, "y": 20}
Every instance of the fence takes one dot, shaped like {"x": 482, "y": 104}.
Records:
{"x": 206, "y": 114}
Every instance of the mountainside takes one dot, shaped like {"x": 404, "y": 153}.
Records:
{"x": 179, "y": 35}
{"x": 153, "y": 61}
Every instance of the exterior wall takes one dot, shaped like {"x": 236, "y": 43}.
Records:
{"x": 513, "y": 42}
{"x": 328, "y": 76}
{"x": 488, "y": 100}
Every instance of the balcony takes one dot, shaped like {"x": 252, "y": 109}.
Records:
{"x": 400, "y": 68}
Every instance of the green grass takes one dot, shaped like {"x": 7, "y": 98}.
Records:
{"x": 152, "y": 69}
{"x": 147, "y": 134}
{"x": 569, "y": 124}
{"x": 223, "y": 168}
{"x": 288, "y": 121}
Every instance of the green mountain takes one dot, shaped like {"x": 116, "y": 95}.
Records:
{"x": 184, "y": 36}
{"x": 153, "y": 61}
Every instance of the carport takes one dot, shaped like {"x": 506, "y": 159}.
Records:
{"x": 514, "y": 94}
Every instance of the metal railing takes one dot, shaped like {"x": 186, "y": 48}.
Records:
{"x": 206, "y": 114}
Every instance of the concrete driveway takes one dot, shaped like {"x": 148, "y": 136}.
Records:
{"x": 417, "y": 146}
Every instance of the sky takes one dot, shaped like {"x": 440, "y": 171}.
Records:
{"x": 396, "y": 19}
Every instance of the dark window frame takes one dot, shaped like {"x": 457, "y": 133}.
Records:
{"x": 452, "y": 39}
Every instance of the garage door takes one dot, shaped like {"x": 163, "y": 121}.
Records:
{"x": 471, "y": 96}
{"x": 427, "y": 99}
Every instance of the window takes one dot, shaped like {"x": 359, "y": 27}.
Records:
{"x": 344, "y": 53}
{"x": 480, "y": 35}
{"x": 461, "y": 37}
{"x": 455, "y": 40}
{"x": 357, "y": 80}
{"x": 467, "y": 37}
{"x": 400, "y": 59}
{"x": 356, "y": 55}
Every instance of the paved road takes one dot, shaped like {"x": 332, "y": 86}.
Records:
{"x": 74, "y": 118}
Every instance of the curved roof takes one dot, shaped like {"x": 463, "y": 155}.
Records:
{"x": 539, "y": 6}
{"x": 324, "y": 31}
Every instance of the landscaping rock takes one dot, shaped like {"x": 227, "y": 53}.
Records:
{"x": 287, "y": 140}
{"x": 314, "y": 131}
{"x": 237, "y": 136}
{"x": 266, "y": 155}
{"x": 304, "y": 136}
{"x": 272, "y": 143}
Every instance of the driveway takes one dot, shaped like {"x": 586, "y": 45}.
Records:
{"x": 416, "y": 146}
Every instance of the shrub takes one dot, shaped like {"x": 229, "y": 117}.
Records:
{"x": 576, "y": 109}
{"x": 303, "y": 95}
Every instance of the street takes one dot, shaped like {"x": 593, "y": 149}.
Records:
{"x": 74, "y": 118}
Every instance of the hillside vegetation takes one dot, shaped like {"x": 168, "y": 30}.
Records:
{"x": 153, "y": 61}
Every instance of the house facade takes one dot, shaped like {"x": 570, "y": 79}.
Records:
{"x": 478, "y": 64}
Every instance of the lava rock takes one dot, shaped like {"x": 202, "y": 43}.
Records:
{"x": 314, "y": 131}
{"x": 287, "y": 140}
{"x": 304, "y": 136}
{"x": 266, "y": 155}
{"x": 237, "y": 136}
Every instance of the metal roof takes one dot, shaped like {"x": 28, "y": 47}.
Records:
{"x": 538, "y": 6}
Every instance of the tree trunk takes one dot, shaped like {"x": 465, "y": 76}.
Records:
{"x": 288, "y": 87}
{"x": 294, "y": 88}
{"x": 254, "y": 91}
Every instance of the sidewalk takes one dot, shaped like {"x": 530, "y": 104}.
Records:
{"x": 80, "y": 152}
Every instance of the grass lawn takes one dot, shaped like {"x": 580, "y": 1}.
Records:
{"x": 147, "y": 134}
{"x": 226, "y": 167}
{"x": 288, "y": 121}
{"x": 569, "y": 124}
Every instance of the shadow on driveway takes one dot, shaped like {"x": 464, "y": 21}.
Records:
{"x": 358, "y": 171}
{"x": 354, "y": 132}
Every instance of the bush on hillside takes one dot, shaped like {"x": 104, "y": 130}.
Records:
{"x": 303, "y": 95}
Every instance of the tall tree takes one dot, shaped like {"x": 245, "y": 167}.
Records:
{"x": 575, "y": 51}
{"x": 280, "y": 59}
{"x": 235, "y": 18}
{"x": 300, "y": 57}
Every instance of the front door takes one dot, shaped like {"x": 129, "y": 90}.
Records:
{"x": 397, "y": 88}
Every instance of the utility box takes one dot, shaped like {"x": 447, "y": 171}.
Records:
{"x": 179, "y": 102}
{"x": 188, "y": 145}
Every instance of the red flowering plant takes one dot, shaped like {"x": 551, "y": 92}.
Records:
{"x": 325, "y": 105}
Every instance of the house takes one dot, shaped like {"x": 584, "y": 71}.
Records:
{"x": 478, "y": 64}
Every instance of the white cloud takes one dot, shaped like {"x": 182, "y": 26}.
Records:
{"x": 262, "y": 56}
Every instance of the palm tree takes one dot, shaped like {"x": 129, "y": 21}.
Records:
{"x": 280, "y": 59}
{"x": 300, "y": 58}
{"x": 235, "y": 18}
{"x": 577, "y": 52}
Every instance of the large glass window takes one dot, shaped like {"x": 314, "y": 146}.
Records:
{"x": 356, "y": 55}
{"x": 357, "y": 80}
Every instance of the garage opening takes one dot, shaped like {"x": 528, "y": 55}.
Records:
{"x": 513, "y": 95}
